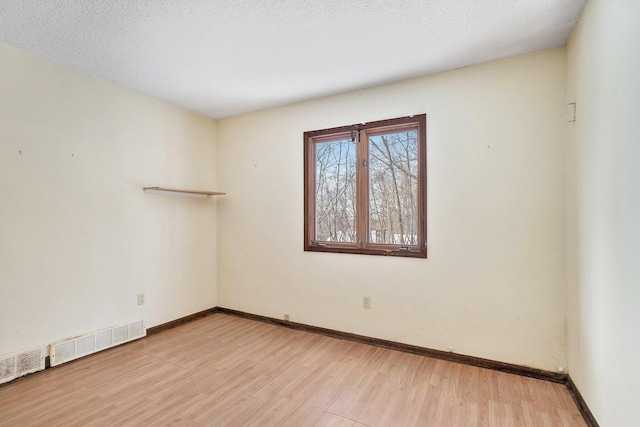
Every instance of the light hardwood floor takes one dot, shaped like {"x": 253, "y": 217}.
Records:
{"x": 227, "y": 371}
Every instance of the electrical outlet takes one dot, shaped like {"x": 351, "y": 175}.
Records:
{"x": 140, "y": 299}
{"x": 286, "y": 317}
{"x": 366, "y": 302}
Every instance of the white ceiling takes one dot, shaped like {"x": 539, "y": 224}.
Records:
{"x": 225, "y": 57}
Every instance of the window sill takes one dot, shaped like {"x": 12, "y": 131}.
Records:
{"x": 363, "y": 251}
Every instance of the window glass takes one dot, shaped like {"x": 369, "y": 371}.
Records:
{"x": 393, "y": 188}
{"x": 335, "y": 164}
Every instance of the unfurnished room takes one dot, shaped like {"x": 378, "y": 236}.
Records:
{"x": 332, "y": 213}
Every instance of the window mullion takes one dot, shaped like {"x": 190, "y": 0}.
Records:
{"x": 363, "y": 189}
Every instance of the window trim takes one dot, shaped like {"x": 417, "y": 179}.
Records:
{"x": 359, "y": 247}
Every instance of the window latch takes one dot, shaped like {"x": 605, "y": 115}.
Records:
{"x": 322, "y": 245}
{"x": 403, "y": 248}
{"x": 365, "y": 163}
{"x": 355, "y": 131}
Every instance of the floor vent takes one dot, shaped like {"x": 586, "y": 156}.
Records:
{"x": 15, "y": 365}
{"x": 74, "y": 348}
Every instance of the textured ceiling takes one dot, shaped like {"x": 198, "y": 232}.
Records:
{"x": 225, "y": 57}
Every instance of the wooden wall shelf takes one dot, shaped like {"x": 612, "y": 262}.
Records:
{"x": 181, "y": 192}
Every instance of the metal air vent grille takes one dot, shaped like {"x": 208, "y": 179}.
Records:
{"x": 15, "y": 365}
{"x": 73, "y": 348}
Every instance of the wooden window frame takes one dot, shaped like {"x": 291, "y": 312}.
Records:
{"x": 362, "y": 244}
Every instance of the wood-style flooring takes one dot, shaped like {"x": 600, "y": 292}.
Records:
{"x": 223, "y": 370}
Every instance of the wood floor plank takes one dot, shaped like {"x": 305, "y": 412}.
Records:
{"x": 223, "y": 370}
{"x": 304, "y": 415}
{"x": 332, "y": 420}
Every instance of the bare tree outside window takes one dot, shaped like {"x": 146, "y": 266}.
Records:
{"x": 336, "y": 191}
{"x": 393, "y": 186}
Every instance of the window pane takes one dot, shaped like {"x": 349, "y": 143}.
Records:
{"x": 393, "y": 188}
{"x": 336, "y": 191}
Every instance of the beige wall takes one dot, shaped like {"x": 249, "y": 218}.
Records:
{"x": 603, "y": 210}
{"x": 494, "y": 283}
{"x": 78, "y": 237}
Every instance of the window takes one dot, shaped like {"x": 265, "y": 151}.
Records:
{"x": 366, "y": 188}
